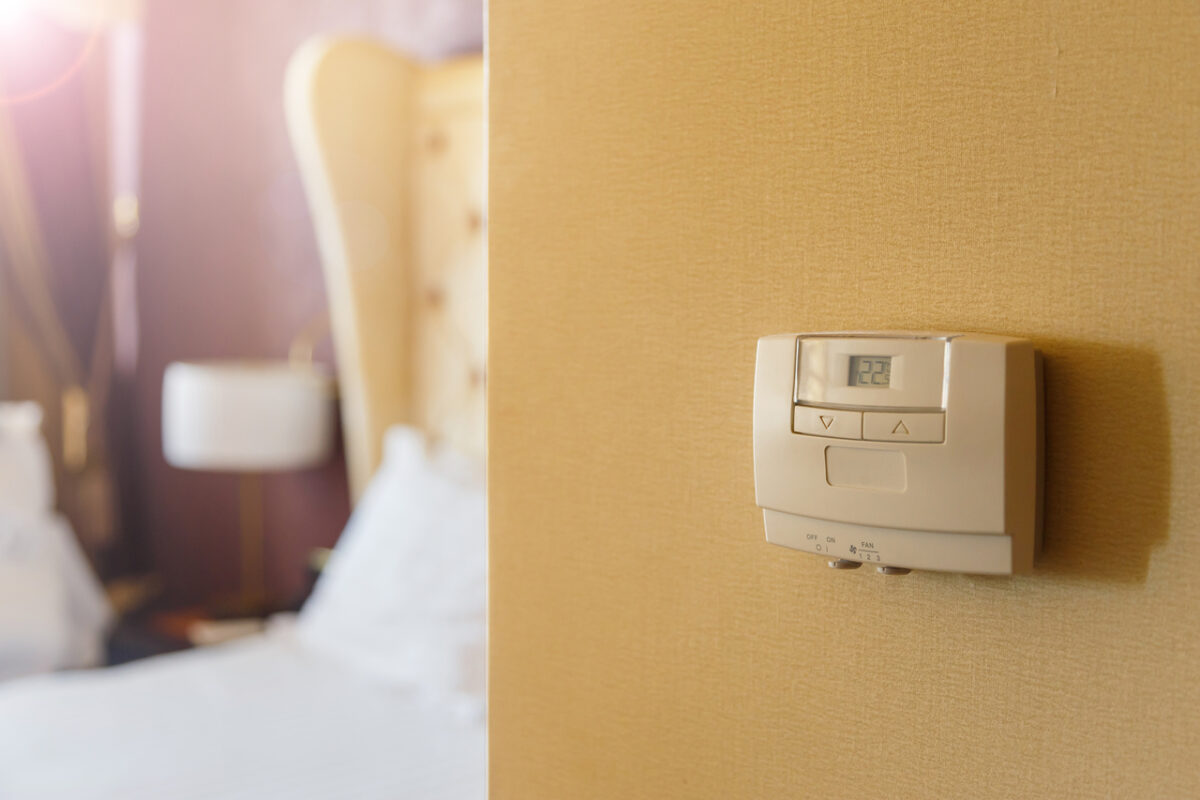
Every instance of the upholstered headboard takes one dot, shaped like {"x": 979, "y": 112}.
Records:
{"x": 392, "y": 156}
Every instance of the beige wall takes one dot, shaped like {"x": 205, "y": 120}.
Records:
{"x": 670, "y": 182}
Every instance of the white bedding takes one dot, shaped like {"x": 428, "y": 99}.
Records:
{"x": 256, "y": 719}
{"x": 53, "y": 613}
{"x": 375, "y": 693}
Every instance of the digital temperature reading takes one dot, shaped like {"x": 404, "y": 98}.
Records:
{"x": 871, "y": 371}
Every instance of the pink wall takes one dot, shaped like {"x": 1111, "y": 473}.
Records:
{"x": 228, "y": 265}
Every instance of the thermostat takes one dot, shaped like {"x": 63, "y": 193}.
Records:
{"x": 901, "y": 450}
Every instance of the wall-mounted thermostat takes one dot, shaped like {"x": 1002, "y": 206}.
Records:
{"x": 901, "y": 450}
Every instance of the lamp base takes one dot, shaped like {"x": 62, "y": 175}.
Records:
{"x": 241, "y": 606}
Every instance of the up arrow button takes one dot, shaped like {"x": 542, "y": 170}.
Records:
{"x": 879, "y": 426}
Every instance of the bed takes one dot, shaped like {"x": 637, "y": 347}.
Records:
{"x": 258, "y": 718}
{"x": 376, "y": 689}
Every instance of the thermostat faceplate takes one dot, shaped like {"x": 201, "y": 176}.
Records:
{"x": 902, "y": 450}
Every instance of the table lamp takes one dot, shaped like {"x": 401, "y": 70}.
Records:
{"x": 249, "y": 418}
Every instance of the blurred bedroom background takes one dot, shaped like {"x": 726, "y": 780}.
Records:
{"x": 151, "y": 211}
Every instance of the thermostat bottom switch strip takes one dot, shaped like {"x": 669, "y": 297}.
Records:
{"x": 982, "y": 554}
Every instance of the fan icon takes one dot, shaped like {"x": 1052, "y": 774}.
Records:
{"x": 853, "y": 549}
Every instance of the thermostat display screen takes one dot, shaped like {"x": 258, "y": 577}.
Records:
{"x": 873, "y": 371}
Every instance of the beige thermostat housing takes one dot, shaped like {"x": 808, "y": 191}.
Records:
{"x": 901, "y": 450}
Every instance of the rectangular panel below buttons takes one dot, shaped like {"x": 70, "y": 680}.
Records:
{"x": 860, "y": 468}
{"x": 904, "y": 427}
{"x": 830, "y": 422}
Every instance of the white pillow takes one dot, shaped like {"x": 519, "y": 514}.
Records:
{"x": 404, "y": 596}
{"x": 53, "y": 613}
{"x": 26, "y": 475}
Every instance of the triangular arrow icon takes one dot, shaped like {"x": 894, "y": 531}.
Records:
{"x": 900, "y": 428}
{"x": 826, "y": 421}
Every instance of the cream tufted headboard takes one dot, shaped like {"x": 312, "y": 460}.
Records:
{"x": 392, "y": 156}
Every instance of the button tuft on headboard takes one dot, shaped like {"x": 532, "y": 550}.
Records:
{"x": 435, "y": 297}
{"x": 437, "y": 142}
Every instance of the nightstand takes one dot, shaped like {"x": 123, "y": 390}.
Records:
{"x": 154, "y": 633}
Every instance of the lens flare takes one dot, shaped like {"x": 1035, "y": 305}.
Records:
{"x": 12, "y": 13}
{"x": 18, "y": 22}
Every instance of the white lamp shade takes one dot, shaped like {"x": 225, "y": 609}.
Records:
{"x": 246, "y": 416}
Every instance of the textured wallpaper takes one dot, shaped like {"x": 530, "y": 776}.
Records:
{"x": 670, "y": 182}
